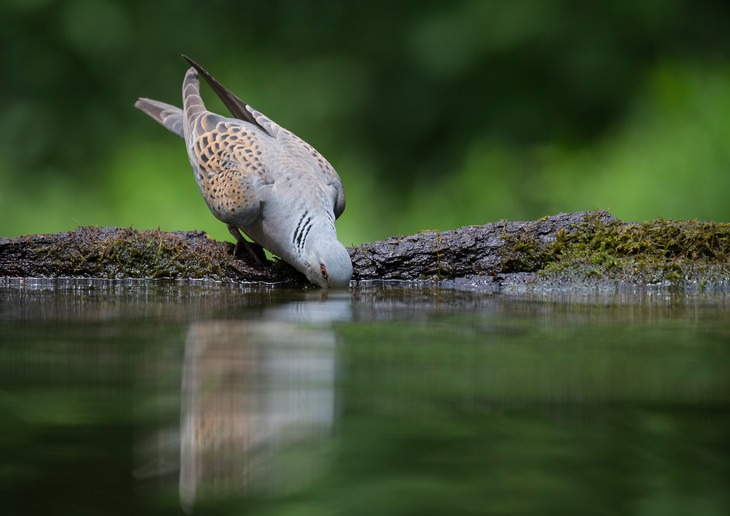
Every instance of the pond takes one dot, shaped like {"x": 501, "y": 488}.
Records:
{"x": 170, "y": 397}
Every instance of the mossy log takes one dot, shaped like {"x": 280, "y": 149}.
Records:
{"x": 565, "y": 249}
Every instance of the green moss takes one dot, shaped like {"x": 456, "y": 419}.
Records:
{"x": 439, "y": 255}
{"x": 523, "y": 253}
{"x": 650, "y": 252}
{"x": 141, "y": 254}
{"x": 129, "y": 253}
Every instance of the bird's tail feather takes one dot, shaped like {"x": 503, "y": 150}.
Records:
{"x": 168, "y": 116}
{"x": 236, "y": 106}
{"x": 192, "y": 102}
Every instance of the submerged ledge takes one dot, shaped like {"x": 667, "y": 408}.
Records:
{"x": 563, "y": 252}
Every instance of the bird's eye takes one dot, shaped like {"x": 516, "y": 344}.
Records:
{"x": 323, "y": 270}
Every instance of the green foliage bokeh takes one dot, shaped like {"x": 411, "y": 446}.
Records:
{"x": 435, "y": 114}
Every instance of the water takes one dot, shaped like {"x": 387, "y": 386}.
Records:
{"x": 138, "y": 398}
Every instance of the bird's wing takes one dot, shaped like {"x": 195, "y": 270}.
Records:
{"x": 328, "y": 174}
{"x": 226, "y": 157}
{"x": 243, "y": 111}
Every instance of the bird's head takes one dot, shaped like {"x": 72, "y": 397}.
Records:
{"x": 328, "y": 265}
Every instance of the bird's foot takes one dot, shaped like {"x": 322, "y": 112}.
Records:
{"x": 250, "y": 251}
{"x": 247, "y": 250}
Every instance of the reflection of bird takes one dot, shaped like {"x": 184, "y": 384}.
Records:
{"x": 262, "y": 179}
{"x": 252, "y": 393}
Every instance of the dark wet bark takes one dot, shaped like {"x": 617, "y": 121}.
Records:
{"x": 565, "y": 248}
{"x": 490, "y": 249}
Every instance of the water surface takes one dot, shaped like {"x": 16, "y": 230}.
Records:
{"x": 161, "y": 398}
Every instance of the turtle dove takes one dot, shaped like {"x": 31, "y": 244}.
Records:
{"x": 260, "y": 178}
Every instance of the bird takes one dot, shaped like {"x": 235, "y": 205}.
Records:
{"x": 260, "y": 179}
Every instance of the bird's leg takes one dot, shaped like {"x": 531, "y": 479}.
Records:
{"x": 253, "y": 249}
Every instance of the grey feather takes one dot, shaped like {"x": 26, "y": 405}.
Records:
{"x": 168, "y": 116}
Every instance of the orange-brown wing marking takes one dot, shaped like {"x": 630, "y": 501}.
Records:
{"x": 229, "y": 168}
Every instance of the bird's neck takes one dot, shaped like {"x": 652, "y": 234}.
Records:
{"x": 304, "y": 229}
{"x": 314, "y": 231}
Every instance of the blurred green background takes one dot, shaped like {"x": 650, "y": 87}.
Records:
{"x": 436, "y": 114}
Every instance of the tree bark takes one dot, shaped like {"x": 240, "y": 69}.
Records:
{"x": 567, "y": 248}
{"x": 467, "y": 251}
